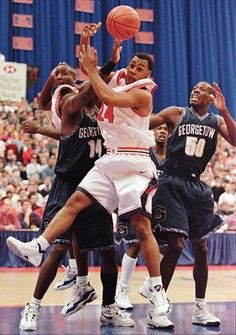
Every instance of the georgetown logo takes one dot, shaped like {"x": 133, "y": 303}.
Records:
{"x": 122, "y": 229}
{"x": 159, "y": 213}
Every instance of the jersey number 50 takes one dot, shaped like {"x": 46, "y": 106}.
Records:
{"x": 194, "y": 146}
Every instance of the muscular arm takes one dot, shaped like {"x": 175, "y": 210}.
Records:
{"x": 134, "y": 98}
{"x": 45, "y": 97}
{"x": 72, "y": 104}
{"x": 227, "y": 127}
{"x": 169, "y": 115}
{"x": 32, "y": 127}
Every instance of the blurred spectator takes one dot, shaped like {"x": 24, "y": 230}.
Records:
{"x": 11, "y": 161}
{"x": 12, "y": 195}
{"x": 27, "y": 217}
{"x": 49, "y": 170}
{"x": 26, "y": 152}
{"x": 228, "y": 196}
{"x": 231, "y": 222}
{"x": 36, "y": 207}
{"x": 33, "y": 167}
{"x": 8, "y": 216}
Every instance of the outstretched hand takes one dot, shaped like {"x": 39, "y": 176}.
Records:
{"x": 88, "y": 57}
{"x": 30, "y": 127}
{"x": 218, "y": 97}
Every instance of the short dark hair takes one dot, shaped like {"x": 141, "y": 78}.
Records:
{"x": 147, "y": 57}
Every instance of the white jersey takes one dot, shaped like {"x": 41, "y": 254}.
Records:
{"x": 126, "y": 127}
{"x": 56, "y": 117}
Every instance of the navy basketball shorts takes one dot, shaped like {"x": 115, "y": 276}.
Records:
{"x": 184, "y": 206}
{"x": 94, "y": 229}
{"x": 125, "y": 233}
{"x": 60, "y": 192}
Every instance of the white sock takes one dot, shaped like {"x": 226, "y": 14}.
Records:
{"x": 43, "y": 242}
{"x": 155, "y": 281}
{"x": 200, "y": 302}
{"x": 73, "y": 264}
{"x": 127, "y": 269}
{"x": 35, "y": 301}
{"x": 82, "y": 280}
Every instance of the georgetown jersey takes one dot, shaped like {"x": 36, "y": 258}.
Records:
{"x": 192, "y": 143}
{"x": 158, "y": 162}
{"x": 125, "y": 127}
{"x": 80, "y": 149}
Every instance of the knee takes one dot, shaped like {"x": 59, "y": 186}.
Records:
{"x": 142, "y": 226}
{"x": 77, "y": 202}
{"x": 58, "y": 251}
{"x": 176, "y": 246}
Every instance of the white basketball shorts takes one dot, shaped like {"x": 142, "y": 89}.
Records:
{"x": 122, "y": 181}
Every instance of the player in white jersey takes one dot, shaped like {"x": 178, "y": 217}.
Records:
{"x": 124, "y": 179}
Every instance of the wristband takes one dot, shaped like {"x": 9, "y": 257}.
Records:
{"x": 107, "y": 68}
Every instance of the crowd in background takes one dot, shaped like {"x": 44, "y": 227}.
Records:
{"x": 27, "y": 164}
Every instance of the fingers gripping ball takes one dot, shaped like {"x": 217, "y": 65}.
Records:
{"x": 123, "y": 22}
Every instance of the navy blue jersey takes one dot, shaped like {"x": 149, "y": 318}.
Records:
{"x": 158, "y": 162}
{"x": 79, "y": 150}
{"x": 192, "y": 143}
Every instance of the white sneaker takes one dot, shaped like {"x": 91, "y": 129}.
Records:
{"x": 159, "y": 321}
{"x": 145, "y": 290}
{"x": 81, "y": 295}
{"x": 29, "y": 317}
{"x": 201, "y": 316}
{"x": 29, "y": 251}
{"x": 112, "y": 315}
{"x": 122, "y": 297}
{"x": 67, "y": 281}
{"x": 160, "y": 304}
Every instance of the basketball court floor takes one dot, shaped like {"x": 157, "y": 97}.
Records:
{"x": 17, "y": 286}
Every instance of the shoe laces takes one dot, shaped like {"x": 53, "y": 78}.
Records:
{"x": 124, "y": 291}
{"x": 114, "y": 311}
{"x": 201, "y": 309}
{"x": 77, "y": 292}
{"x": 69, "y": 272}
{"x": 30, "y": 310}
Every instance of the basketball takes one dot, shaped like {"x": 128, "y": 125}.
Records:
{"x": 123, "y": 22}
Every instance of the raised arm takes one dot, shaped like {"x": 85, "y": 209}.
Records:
{"x": 169, "y": 115}
{"x": 227, "y": 127}
{"x": 90, "y": 30}
{"x": 45, "y": 98}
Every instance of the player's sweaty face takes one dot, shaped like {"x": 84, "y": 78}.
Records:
{"x": 137, "y": 69}
{"x": 64, "y": 75}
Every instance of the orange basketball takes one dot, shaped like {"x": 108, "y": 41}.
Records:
{"x": 123, "y": 22}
